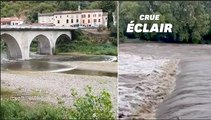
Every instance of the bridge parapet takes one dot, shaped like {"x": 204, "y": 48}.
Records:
{"x": 31, "y": 27}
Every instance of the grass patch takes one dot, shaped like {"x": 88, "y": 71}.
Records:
{"x": 13, "y": 109}
{"x": 94, "y": 49}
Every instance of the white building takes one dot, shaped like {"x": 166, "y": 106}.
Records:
{"x": 67, "y": 18}
{"x": 46, "y": 18}
{"x": 80, "y": 18}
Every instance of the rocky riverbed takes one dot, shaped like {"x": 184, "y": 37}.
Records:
{"x": 45, "y": 86}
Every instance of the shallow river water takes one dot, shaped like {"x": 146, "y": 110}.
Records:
{"x": 191, "y": 98}
{"x": 58, "y": 63}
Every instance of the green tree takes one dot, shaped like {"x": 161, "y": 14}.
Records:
{"x": 67, "y": 5}
{"x": 190, "y": 19}
{"x": 40, "y": 8}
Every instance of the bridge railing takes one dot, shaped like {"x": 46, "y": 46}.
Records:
{"x": 10, "y": 27}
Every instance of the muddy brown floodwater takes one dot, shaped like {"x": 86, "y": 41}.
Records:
{"x": 191, "y": 97}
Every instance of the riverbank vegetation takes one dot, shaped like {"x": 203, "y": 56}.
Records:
{"x": 191, "y": 20}
{"x": 85, "y": 44}
{"x": 87, "y": 107}
{"x": 3, "y": 46}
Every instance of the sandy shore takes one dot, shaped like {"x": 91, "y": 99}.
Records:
{"x": 143, "y": 83}
{"x": 95, "y": 66}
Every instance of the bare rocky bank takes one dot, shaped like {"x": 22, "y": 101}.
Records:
{"x": 40, "y": 86}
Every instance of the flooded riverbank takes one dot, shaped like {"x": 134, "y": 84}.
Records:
{"x": 191, "y": 95}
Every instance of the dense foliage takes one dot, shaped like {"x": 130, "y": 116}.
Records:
{"x": 3, "y": 46}
{"x": 83, "y": 44}
{"x": 88, "y": 107}
{"x": 191, "y": 20}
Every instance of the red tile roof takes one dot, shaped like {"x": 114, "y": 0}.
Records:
{"x": 9, "y": 19}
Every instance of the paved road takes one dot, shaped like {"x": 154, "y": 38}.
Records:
{"x": 191, "y": 98}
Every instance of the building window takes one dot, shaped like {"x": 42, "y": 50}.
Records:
{"x": 77, "y": 20}
{"x": 71, "y": 20}
{"x": 67, "y": 21}
{"x": 98, "y": 20}
{"x": 88, "y": 21}
{"x": 56, "y": 16}
{"x": 83, "y": 21}
{"x": 58, "y": 21}
{"x": 95, "y": 20}
{"x": 99, "y": 15}
{"x": 88, "y": 15}
{"x": 60, "y": 16}
{"x": 94, "y": 15}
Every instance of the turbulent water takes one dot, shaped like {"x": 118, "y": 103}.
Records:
{"x": 191, "y": 98}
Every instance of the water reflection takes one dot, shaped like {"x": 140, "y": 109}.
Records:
{"x": 31, "y": 65}
{"x": 63, "y": 58}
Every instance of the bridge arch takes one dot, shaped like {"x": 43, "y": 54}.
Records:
{"x": 13, "y": 47}
{"x": 62, "y": 39}
{"x": 44, "y": 44}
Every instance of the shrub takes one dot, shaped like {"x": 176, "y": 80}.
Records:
{"x": 11, "y": 109}
{"x": 101, "y": 28}
{"x": 92, "y": 107}
{"x": 114, "y": 41}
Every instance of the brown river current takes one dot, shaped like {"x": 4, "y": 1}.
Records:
{"x": 191, "y": 97}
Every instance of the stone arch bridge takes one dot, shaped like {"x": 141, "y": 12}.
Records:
{"x": 19, "y": 38}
